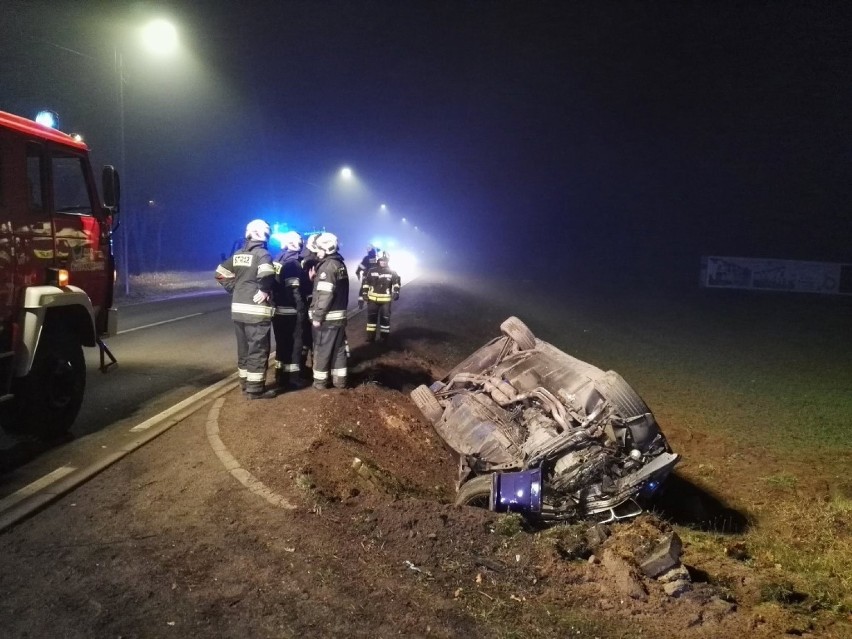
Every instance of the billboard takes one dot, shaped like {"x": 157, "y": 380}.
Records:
{"x": 776, "y": 275}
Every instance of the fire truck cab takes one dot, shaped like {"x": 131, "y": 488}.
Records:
{"x": 56, "y": 274}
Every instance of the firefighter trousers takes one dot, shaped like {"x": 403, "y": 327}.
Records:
{"x": 378, "y": 318}
{"x": 288, "y": 331}
{"x": 329, "y": 355}
{"x": 307, "y": 344}
{"x": 253, "y": 346}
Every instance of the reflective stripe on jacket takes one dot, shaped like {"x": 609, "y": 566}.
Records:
{"x": 289, "y": 278}
{"x": 380, "y": 284}
{"x": 246, "y": 272}
{"x": 331, "y": 290}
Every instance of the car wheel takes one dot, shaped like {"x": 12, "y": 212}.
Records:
{"x": 621, "y": 394}
{"x": 48, "y": 399}
{"x": 427, "y": 403}
{"x": 517, "y": 331}
{"x": 475, "y": 492}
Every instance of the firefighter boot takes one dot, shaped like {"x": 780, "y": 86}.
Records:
{"x": 295, "y": 381}
{"x": 338, "y": 382}
{"x": 280, "y": 379}
{"x": 267, "y": 394}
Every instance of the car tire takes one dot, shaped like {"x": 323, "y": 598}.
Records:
{"x": 475, "y": 492}
{"x": 427, "y": 403}
{"x": 48, "y": 399}
{"x": 517, "y": 331}
{"x": 626, "y": 400}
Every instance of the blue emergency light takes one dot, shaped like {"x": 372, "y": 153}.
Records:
{"x": 47, "y": 118}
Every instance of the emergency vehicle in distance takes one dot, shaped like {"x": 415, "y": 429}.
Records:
{"x": 56, "y": 274}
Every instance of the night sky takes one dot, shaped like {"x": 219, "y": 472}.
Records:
{"x": 578, "y": 137}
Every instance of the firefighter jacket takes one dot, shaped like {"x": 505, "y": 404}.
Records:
{"x": 380, "y": 285}
{"x": 366, "y": 264}
{"x": 331, "y": 291}
{"x": 291, "y": 282}
{"x": 246, "y": 272}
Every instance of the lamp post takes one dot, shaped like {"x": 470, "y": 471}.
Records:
{"x": 125, "y": 261}
{"x": 159, "y": 37}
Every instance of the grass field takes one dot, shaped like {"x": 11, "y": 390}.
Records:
{"x": 755, "y": 391}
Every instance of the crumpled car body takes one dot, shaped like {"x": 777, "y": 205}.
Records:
{"x": 547, "y": 435}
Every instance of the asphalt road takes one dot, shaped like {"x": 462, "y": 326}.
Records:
{"x": 167, "y": 351}
{"x": 170, "y": 355}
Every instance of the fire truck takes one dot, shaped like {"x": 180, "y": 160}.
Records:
{"x": 56, "y": 274}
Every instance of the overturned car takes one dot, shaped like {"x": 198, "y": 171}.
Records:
{"x": 544, "y": 434}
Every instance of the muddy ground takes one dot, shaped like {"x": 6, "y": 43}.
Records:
{"x": 364, "y": 540}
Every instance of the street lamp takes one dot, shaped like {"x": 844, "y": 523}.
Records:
{"x": 346, "y": 173}
{"x": 159, "y": 37}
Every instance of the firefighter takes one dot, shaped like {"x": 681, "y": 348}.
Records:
{"x": 367, "y": 263}
{"x": 308, "y": 256}
{"x": 379, "y": 288}
{"x": 249, "y": 276}
{"x": 291, "y": 311}
{"x": 328, "y": 314}
{"x": 309, "y": 261}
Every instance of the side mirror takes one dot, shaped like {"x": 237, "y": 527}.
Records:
{"x": 111, "y": 187}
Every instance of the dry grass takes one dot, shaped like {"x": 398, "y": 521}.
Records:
{"x": 152, "y": 286}
{"x": 755, "y": 391}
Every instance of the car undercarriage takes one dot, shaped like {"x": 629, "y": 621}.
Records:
{"x": 544, "y": 434}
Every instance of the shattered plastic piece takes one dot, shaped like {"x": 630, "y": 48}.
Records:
{"x": 677, "y": 588}
{"x": 664, "y": 556}
{"x": 411, "y": 566}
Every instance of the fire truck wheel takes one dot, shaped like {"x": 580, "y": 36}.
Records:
{"x": 475, "y": 492}
{"x": 48, "y": 399}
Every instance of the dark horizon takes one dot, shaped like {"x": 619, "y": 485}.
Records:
{"x": 587, "y": 136}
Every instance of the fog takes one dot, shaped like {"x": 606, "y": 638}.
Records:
{"x": 617, "y": 141}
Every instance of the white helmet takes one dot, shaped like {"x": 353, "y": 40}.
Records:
{"x": 311, "y": 244}
{"x": 291, "y": 240}
{"x": 327, "y": 243}
{"x": 258, "y": 230}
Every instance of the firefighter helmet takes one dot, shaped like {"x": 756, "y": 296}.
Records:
{"x": 311, "y": 242}
{"x": 327, "y": 243}
{"x": 258, "y": 230}
{"x": 291, "y": 240}
{"x": 384, "y": 257}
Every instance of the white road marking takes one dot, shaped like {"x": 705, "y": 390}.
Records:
{"x": 168, "y": 321}
{"x": 37, "y": 485}
{"x": 156, "y": 419}
{"x": 233, "y": 466}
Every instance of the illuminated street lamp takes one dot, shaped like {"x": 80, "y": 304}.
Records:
{"x": 346, "y": 173}
{"x": 159, "y": 37}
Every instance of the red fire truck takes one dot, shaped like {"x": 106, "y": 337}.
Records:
{"x": 56, "y": 274}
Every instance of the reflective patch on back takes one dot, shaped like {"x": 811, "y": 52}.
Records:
{"x": 243, "y": 259}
